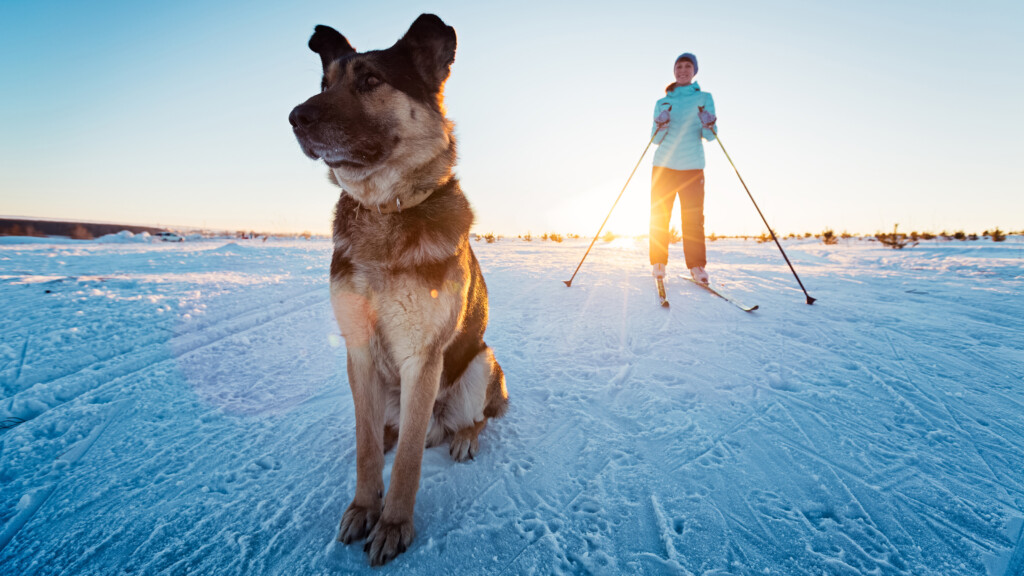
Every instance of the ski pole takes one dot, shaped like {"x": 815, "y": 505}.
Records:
{"x": 649, "y": 142}
{"x": 770, "y": 231}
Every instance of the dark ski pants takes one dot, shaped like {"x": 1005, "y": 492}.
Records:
{"x": 666, "y": 184}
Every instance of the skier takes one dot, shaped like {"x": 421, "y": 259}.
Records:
{"x": 684, "y": 115}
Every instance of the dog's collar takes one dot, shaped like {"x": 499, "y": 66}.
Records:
{"x": 415, "y": 199}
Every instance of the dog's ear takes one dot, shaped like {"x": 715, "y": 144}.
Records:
{"x": 431, "y": 45}
{"x": 329, "y": 44}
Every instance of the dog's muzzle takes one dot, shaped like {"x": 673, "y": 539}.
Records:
{"x": 308, "y": 126}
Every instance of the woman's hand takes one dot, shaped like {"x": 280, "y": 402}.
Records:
{"x": 662, "y": 119}
{"x": 707, "y": 119}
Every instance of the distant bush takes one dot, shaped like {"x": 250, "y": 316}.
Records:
{"x": 829, "y": 237}
{"x": 959, "y": 235}
{"x": 80, "y": 232}
{"x": 674, "y": 237}
{"x": 896, "y": 240}
{"x": 19, "y": 230}
{"x": 765, "y": 238}
{"x": 927, "y": 236}
{"x": 608, "y": 236}
{"x": 554, "y": 237}
{"x": 998, "y": 235}
{"x": 713, "y": 237}
{"x": 528, "y": 237}
{"x": 490, "y": 237}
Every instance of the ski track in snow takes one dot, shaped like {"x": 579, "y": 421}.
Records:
{"x": 184, "y": 409}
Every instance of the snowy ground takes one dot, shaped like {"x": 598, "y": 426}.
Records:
{"x": 186, "y": 412}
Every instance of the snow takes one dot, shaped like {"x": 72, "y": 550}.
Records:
{"x": 124, "y": 236}
{"x": 183, "y": 408}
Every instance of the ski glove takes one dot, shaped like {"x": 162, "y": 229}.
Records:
{"x": 707, "y": 119}
{"x": 662, "y": 120}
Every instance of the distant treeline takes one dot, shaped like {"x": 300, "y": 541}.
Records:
{"x": 75, "y": 230}
{"x": 828, "y": 236}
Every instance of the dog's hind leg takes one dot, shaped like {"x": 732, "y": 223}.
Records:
{"x": 465, "y": 443}
{"x": 497, "y": 393}
{"x": 390, "y": 437}
{"x": 478, "y": 395}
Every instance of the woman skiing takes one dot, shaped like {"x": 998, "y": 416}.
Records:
{"x": 684, "y": 115}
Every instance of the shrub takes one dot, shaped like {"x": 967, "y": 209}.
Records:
{"x": 608, "y": 236}
{"x": 998, "y": 235}
{"x": 490, "y": 238}
{"x": 674, "y": 237}
{"x": 896, "y": 240}
{"x": 17, "y": 230}
{"x": 528, "y": 237}
{"x": 959, "y": 235}
{"x": 555, "y": 237}
{"x": 763, "y": 238}
{"x": 829, "y": 237}
{"x": 80, "y": 232}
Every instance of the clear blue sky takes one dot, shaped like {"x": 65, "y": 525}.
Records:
{"x": 853, "y": 116}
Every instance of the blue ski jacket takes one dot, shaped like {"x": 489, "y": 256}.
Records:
{"x": 680, "y": 146}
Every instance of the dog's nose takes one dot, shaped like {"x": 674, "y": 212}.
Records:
{"x": 303, "y": 116}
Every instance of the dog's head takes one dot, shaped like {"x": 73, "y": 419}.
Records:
{"x": 379, "y": 121}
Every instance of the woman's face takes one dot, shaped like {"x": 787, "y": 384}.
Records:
{"x": 684, "y": 72}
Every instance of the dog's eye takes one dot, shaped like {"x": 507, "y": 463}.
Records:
{"x": 370, "y": 82}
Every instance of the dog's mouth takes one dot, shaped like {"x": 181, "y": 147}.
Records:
{"x": 343, "y": 163}
{"x": 343, "y": 157}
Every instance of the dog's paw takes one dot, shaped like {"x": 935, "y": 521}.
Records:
{"x": 464, "y": 447}
{"x": 387, "y": 540}
{"x": 357, "y": 522}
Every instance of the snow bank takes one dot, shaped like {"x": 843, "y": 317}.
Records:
{"x": 126, "y": 237}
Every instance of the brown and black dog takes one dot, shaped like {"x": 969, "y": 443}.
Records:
{"x": 406, "y": 287}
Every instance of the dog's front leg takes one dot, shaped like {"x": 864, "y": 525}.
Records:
{"x": 356, "y": 320}
{"x": 368, "y": 396}
{"x": 394, "y": 531}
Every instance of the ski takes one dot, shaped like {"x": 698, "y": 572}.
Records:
{"x": 661, "y": 292}
{"x": 715, "y": 291}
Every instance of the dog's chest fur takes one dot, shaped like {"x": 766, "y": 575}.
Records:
{"x": 400, "y": 279}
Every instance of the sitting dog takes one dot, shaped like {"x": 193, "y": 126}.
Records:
{"x": 406, "y": 287}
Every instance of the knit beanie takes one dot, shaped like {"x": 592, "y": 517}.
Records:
{"x": 691, "y": 58}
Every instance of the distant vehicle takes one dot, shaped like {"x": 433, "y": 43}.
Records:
{"x": 169, "y": 237}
